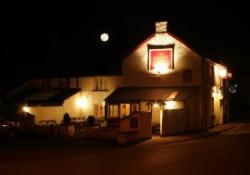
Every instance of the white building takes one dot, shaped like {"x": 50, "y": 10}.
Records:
{"x": 182, "y": 90}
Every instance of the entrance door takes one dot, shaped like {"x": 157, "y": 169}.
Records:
{"x": 156, "y": 114}
{"x": 156, "y": 118}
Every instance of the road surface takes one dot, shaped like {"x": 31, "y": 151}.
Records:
{"x": 226, "y": 153}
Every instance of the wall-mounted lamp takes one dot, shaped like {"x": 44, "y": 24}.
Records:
{"x": 156, "y": 105}
{"x": 82, "y": 102}
{"x": 221, "y": 71}
{"x": 160, "y": 68}
{"x": 170, "y": 105}
{"x": 26, "y": 109}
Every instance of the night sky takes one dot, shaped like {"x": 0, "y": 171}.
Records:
{"x": 51, "y": 40}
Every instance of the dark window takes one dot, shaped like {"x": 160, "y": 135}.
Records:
{"x": 63, "y": 82}
{"x": 46, "y": 83}
{"x": 187, "y": 76}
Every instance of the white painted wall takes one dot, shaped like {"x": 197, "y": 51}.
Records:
{"x": 87, "y": 84}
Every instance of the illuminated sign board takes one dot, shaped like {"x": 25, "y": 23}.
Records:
{"x": 160, "y": 58}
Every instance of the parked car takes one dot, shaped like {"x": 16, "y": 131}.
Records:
{"x": 8, "y": 129}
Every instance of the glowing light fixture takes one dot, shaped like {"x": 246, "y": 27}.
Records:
{"x": 222, "y": 72}
{"x": 104, "y": 37}
{"x": 160, "y": 59}
{"x": 170, "y": 104}
{"x": 82, "y": 102}
{"x": 160, "y": 68}
{"x": 229, "y": 75}
{"x": 156, "y": 105}
{"x": 26, "y": 109}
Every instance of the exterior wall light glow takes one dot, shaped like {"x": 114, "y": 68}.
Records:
{"x": 222, "y": 72}
{"x": 160, "y": 68}
{"x": 156, "y": 105}
{"x": 220, "y": 95}
{"x": 26, "y": 109}
{"x": 174, "y": 105}
{"x": 82, "y": 102}
{"x": 229, "y": 75}
{"x": 160, "y": 59}
{"x": 169, "y": 105}
{"x": 217, "y": 93}
{"x": 173, "y": 95}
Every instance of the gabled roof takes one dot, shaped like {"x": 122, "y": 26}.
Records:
{"x": 173, "y": 36}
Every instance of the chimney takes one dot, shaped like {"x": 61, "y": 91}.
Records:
{"x": 161, "y": 27}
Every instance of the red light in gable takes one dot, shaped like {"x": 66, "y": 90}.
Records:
{"x": 160, "y": 59}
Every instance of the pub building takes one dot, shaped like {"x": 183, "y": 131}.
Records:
{"x": 180, "y": 90}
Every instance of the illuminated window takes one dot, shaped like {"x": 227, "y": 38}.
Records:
{"x": 135, "y": 107}
{"x": 113, "y": 111}
{"x": 99, "y": 110}
{"x": 124, "y": 109}
{"x": 100, "y": 84}
{"x": 160, "y": 58}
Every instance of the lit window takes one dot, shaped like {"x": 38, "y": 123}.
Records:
{"x": 100, "y": 84}
{"x": 113, "y": 111}
{"x": 98, "y": 110}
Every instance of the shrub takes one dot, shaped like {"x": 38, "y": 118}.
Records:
{"x": 91, "y": 120}
{"x": 66, "y": 119}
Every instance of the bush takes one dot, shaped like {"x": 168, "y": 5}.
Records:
{"x": 91, "y": 120}
{"x": 66, "y": 119}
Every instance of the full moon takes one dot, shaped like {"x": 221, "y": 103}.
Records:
{"x": 104, "y": 37}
